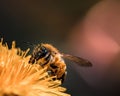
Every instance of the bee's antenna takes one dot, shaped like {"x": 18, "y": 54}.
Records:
{"x": 31, "y": 44}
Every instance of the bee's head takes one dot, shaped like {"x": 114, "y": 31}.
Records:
{"x": 43, "y": 51}
{"x": 40, "y": 51}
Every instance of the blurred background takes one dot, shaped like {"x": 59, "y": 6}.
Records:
{"x": 85, "y": 28}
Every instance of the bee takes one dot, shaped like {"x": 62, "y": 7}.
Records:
{"x": 48, "y": 55}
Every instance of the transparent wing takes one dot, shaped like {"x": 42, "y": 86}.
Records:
{"x": 78, "y": 60}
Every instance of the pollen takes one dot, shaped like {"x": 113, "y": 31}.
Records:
{"x": 19, "y": 78}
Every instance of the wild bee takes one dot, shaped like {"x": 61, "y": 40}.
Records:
{"x": 47, "y": 55}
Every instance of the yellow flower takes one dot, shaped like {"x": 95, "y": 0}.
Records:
{"x": 19, "y": 78}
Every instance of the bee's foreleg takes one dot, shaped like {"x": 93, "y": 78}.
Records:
{"x": 62, "y": 78}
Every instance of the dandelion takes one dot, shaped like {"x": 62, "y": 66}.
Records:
{"x": 19, "y": 78}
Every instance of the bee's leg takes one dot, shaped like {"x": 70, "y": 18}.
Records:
{"x": 62, "y": 78}
{"x": 51, "y": 73}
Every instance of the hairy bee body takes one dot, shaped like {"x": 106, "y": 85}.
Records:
{"x": 47, "y": 55}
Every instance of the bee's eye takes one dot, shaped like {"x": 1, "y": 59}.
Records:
{"x": 38, "y": 55}
{"x": 43, "y": 49}
{"x": 41, "y": 53}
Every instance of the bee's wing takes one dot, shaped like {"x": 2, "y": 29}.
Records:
{"x": 78, "y": 60}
